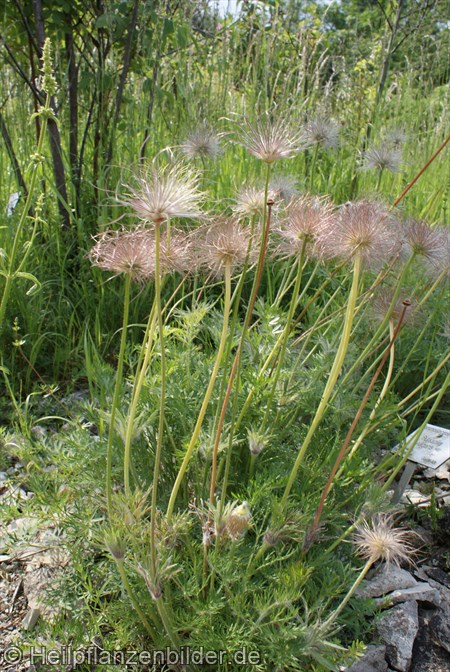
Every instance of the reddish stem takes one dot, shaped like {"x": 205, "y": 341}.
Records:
{"x": 413, "y": 181}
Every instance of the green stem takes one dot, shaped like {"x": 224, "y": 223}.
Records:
{"x": 343, "y": 451}
{"x": 313, "y": 166}
{"x": 159, "y": 440}
{"x": 138, "y": 383}
{"x": 380, "y": 176}
{"x": 236, "y": 367}
{"x": 207, "y": 396}
{"x": 334, "y": 374}
{"x": 285, "y": 334}
{"x": 383, "y": 324}
{"x": 355, "y": 585}
{"x": 166, "y": 622}
{"x": 134, "y": 601}
{"x": 251, "y": 470}
{"x": 116, "y": 396}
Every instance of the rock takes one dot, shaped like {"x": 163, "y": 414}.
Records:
{"x": 437, "y": 574}
{"x": 422, "y": 592}
{"x": 22, "y": 526}
{"x": 415, "y": 497}
{"x": 442, "y": 473}
{"x": 440, "y": 629}
{"x": 397, "y": 630}
{"x": 31, "y": 618}
{"x": 385, "y": 580}
{"x": 427, "y": 656}
{"x": 424, "y": 537}
{"x": 373, "y": 660}
{"x": 442, "y": 590}
{"x": 3, "y": 476}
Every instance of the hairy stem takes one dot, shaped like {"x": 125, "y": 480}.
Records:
{"x": 344, "y": 447}
{"x": 354, "y": 586}
{"x": 116, "y": 396}
{"x": 138, "y": 383}
{"x": 333, "y": 376}
{"x": 134, "y": 601}
{"x": 159, "y": 439}
{"x": 207, "y": 396}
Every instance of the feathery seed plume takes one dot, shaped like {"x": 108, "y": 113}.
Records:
{"x": 380, "y": 540}
{"x": 224, "y": 243}
{"x": 431, "y": 245}
{"x": 202, "y": 143}
{"x": 159, "y": 195}
{"x": 396, "y": 136}
{"x": 270, "y": 140}
{"x": 249, "y": 202}
{"x": 126, "y": 252}
{"x": 323, "y": 132}
{"x": 306, "y": 217}
{"x": 382, "y": 157}
{"x": 363, "y": 227}
{"x": 283, "y": 188}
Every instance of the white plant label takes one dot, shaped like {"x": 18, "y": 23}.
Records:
{"x": 432, "y": 447}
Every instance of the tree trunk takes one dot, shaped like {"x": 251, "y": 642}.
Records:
{"x": 73, "y": 108}
{"x": 53, "y": 130}
{"x": 12, "y": 156}
{"x": 123, "y": 77}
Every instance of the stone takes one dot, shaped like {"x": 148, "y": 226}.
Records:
{"x": 437, "y": 574}
{"x": 442, "y": 473}
{"x": 415, "y": 497}
{"x": 428, "y": 656}
{"x": 443, "y": 591}
{"x": 31, "y": 618}
{"x": 397, "y": 630}
{"x": 385, "y": 580}
{"x": 440, "y": 629}
{"x": 373, "y": 660}
{"x": 422, "y": 592}
{"x": 23, "y": 526}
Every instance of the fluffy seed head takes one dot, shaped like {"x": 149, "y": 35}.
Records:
{"x": 270, "y": 140}
{"x": 382, "y": 303}
{"x": 431, "y": 245}
{"x": 175, "y": 251}
{"x": 323, "y": 132}
{"x": 380, "y": 540}
{"x": 126, "y": 252}
{"x": 396, "y": 136}
{"x": 306, "y": 218}
{"x": 283, "y": 188}
{"x": 364, "y": 228}
{"x": 202, "y": 143}
{"x": 382, "y": 157}
{"x": 158, "y": 195}
{"x": 225, "y": 243}
{"x": 249, "y": 202}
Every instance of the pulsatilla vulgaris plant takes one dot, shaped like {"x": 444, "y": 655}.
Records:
{"x": 261, "y": 409}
